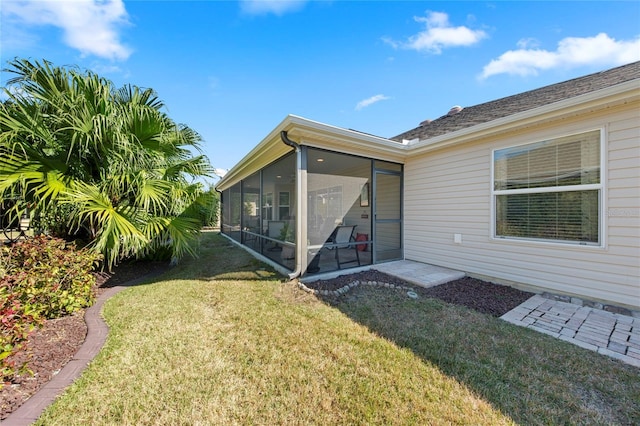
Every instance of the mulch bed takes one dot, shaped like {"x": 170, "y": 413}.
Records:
{"x": 483, "y": 296}
{"x": 48, "y": 349}
{"x": 52, "y": 346}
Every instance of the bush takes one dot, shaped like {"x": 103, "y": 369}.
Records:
{"x": 40, "y": 278}
{"x": 50, "y": 275}
{"x": 54, "y": 221}
{"x": 16, "y": 322}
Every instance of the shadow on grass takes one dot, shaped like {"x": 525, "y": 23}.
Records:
{"x": 531, "y": 377}
{"x": 218, "y": 260}
{"x": 221, "y": 260}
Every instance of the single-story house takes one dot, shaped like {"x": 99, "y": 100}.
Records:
{"x": 540, "y": 189}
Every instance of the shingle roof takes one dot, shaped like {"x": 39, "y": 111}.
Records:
{"x": 488, "y": 111}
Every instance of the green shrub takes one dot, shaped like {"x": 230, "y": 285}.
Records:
{"x": 40, "y": 278}
{"x": 54, "y": 221}
{"x": 16, "y": 322}
{"x": 50, "y": 275}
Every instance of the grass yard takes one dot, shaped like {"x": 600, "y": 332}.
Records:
{"x": 222, "y": 340}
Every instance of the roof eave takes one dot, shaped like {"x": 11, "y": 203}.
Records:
{"x": 268, "y": 150}
{"x": 310, "y": 133}
{"x": 604, "y": 98}
{"x": 319, "y": 135}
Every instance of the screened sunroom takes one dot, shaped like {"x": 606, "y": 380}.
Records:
{"x": 309, "y": 202}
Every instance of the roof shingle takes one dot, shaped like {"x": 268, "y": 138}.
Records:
{"x": 488, "y": 111}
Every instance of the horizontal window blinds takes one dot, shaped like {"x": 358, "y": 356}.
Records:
{"x": 566, "y": 216}
{"x": 572, "y": 160}
{"x": 549, "y": 190}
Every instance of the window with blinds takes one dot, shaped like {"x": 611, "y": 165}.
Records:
{"x": 549, "y": 190}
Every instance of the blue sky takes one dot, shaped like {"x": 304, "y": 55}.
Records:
{"x": 232, "y": 70}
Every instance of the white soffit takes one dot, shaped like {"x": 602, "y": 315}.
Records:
{"x": 319, "y": 135}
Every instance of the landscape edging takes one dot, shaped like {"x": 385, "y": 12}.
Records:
{"x": 346, "y": 288}
{"x": 97, "y": 331}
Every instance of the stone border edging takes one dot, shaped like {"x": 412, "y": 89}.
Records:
{"x": 97, "y": 331}
{"x": 349, "y": 286}
{"x": 588, "y": 303}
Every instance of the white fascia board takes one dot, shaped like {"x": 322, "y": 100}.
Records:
{"x": 592, "y": 101}
{"x": 312, "y": 133}
{"x": 320, "y": 135}
{"x": 254, "y": 160}
{"x": 252, "y": 163}
{"x": 342, "y": 133}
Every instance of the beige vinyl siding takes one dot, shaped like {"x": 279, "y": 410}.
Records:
{"x": 448, "y": 192}
{"x": 623, "y": 193}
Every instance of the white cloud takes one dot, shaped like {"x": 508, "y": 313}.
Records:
{"x": 220, "y": 172}
{"x": 528, "y": 43}
{"x": 571, "y": 52}
{"x": 439, "y": 34}
{"x": 90, "y": 26}
{"x": 277, "y": 7}
{"x": 106, "y": 69}
{"x": 370, "y": 101}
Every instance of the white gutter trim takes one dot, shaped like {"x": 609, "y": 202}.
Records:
{"x": 352, "y": 134}
{"x": 271, "y": 139}
{"x": 293, "y": 123}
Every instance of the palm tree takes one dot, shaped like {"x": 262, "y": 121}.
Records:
{"x": 120, "y": 167}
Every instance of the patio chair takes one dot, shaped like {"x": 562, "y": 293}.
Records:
{"x": 252, "y": 226}
{"x": 343, "y": 242}
{"x": 274, "y": 229}
{"x": 327, "y": 230}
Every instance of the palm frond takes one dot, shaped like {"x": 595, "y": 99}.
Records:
{"x": 177, "y": 234}
{"x": 37, "y": 180}
{"x": 153, "y": 194}
{"x": 197, "y": 167}
{"x": 116, "y": 227}
{"x": 120, "y": 163}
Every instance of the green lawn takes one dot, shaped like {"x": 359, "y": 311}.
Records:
{"x": 223, "y": 340}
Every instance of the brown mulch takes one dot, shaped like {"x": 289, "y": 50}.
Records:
{"x": 48, "y": 349}
{"x": 483, "y": 296}
{"x": 52, "y": 346}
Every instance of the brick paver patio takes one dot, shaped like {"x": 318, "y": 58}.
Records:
{"x": 607, "y": 333}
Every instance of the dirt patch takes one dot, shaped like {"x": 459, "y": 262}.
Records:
{"x": 48, "y": 349}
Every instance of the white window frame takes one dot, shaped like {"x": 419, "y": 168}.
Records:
{"x": 267, "y": 207}
{"x": 601, "y": 187}
{"x": 281, "y": 206}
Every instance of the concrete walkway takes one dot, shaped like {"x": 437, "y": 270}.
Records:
{"x": 607, "y": 333}
{"x": 420, "y": 274}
